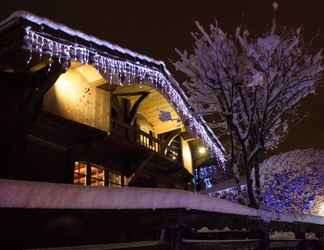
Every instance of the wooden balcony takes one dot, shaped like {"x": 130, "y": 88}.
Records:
{"x": 135, "y": 135}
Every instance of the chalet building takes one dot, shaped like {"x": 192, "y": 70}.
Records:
{"x": 76, "y": 109}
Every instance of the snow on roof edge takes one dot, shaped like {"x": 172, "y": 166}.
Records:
{"x": 73, "y": 32}
{"x": 29, "y": 194}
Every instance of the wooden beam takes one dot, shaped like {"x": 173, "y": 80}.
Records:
{"x": 135, "y": 107}
{"x": 38, "y": 66}
{"x": 138, "y": 93}
{"x": 125, "y": 112}
{"x": 187, "y": 136}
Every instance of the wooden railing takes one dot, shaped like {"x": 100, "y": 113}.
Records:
{"x": 133, "y": 134}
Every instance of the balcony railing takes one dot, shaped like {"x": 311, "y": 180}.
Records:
{"x": 133, "y": 134}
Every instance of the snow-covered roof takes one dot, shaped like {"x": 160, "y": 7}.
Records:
{"x": 65, "y": 29}
{"x": 44, "y": 37}
{"x": 27, "y": 194}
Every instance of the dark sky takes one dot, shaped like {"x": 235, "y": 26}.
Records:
{"x": 155, "y": 28}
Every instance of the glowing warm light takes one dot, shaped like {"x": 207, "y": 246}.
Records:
{"x": 92, "y": 75}
{"x": 70, "y": 85}
{"x": 202, "y": 150}
{"x": 186, "y": 156}
{"x": 321, "y": 209}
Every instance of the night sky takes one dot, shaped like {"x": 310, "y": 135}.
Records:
{"x": 155, "y": 28}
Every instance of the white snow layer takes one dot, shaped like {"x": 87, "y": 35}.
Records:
{"x": 28, "y": 194}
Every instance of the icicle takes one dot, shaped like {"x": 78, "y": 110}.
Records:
{"x": 75, "y": 46}
{"x": 30, "y": 57}
{"x": 51, "y": 52}
{"x": 57, "y": 51}
{"x": 29, "y": 38}
{"x": 110, "y": 78}
{"x": 40, "y": 50}
{"x": 104, "y": 65}
{"x": 50, "y": 46}
{"x": 50, "y": 63}
{"x": 67, "y": 56}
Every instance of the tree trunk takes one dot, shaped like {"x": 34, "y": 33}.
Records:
{"x": 258, "y": 159}
{"x": 236, "y": 175}
{"x": 249, "y": 183}
{"x": 257, "y": 181}
{"x": 239, "y": 191}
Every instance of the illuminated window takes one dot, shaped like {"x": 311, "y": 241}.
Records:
{"x": 97, "y": 176}
{"x": 127, "y": 180}
{"x": 89, "y": 174}
{"x": 80, "y": 173}
{"x": 114, "y": 179}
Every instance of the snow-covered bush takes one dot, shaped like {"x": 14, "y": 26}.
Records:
{"x": 293, "y": 182}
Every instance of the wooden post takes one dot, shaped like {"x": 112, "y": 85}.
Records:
{"x": 88, "y": 175}
{"x": 300, "y": 235}
{"x": 265, "y": 239}
{"x": 107, "y": 177}
{"x": 176, "y": 237}
{"x": 321, "y": 236}
{"x": 122, "y": 180}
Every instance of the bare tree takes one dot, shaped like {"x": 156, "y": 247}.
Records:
{"x": 251, "y": 88}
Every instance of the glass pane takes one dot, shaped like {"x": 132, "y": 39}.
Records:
{"x": 80, "y": 172}
{"x": 97, "y": 176}
{"x": 115, "y": 178}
